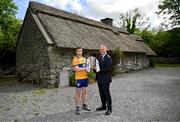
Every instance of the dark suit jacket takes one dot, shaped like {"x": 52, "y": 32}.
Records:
{"x": 105, "y": 64}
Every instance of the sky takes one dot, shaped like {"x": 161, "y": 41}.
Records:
{"x": 98, "y": 9}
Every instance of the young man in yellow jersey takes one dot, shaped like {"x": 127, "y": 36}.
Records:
{"x": 79, "y": 67}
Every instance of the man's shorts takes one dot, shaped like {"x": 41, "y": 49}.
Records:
{"x": 81, "y": 83}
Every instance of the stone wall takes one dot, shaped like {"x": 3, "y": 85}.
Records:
{"x": 32, "y": 62}
{"x": 132, "y": 62}
{"x": 170, "y": 60}
{"x": 60, "y": 60}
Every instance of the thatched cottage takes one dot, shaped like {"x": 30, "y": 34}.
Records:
{"x": 49, "y": 36}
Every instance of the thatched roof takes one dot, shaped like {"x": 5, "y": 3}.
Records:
{"x": 68, "y": 30}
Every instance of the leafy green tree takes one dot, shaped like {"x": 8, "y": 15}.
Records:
{"x": 159, "y": 41}
{"x": 7, "y": 11}
{"x": 9, "y": 31}
{"x": 171, "y": 8}
{"x": 133, "y": 20}
{"x": 147, "y": 36}
{"x": 173, "y": 44}
{"x": 164, "y": 43}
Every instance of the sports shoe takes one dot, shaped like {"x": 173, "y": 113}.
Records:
{"x": 85, "y": 107}
{"x": 77, "y": 111}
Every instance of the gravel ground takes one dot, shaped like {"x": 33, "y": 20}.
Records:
{"x": 148, "y": 95}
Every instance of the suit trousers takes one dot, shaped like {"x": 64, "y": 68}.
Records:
{"x": 105, "y": 94}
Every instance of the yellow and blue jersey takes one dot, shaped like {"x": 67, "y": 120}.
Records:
{"x": 81, "y": 63}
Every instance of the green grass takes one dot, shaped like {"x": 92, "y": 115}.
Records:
{"x": 39, "y": 92}
{"x": 167, "y": 65}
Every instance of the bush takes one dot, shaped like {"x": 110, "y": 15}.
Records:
{"x": 72, "y": 79}
{"x": 91, "y": 77}
{"x": 151, "y": 63}
{"x": 9, "y": 31}
{"x": 115, "y": 55}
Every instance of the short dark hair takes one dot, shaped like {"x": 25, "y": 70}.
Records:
{"x": 78, "y": 48}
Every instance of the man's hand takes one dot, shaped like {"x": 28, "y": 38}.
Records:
{"x": 93, "y": 67}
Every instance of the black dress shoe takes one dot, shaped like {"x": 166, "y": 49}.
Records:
{"x": 108, "y": 112}
{"x": 101, "y": 108}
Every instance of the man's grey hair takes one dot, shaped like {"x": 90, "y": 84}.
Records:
{"x": 103, "y": 45}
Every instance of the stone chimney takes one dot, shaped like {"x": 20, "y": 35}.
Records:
{"x": 107, "y": 21}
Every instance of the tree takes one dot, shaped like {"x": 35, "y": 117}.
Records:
{"x": 164, "y": 43}
{"x": 171, "y": 8}
{"x": 9, "y": 31}
{"x": 7, "y": 10}
{"x": 159, "y": 41}
{"x": 173, "y": 44}
{"x": 133, "y": 20}
{"x": 147, "y": 36}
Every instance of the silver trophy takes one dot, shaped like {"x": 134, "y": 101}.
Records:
{"x": 92, "y": 63}
{"x": 97, "y": 66}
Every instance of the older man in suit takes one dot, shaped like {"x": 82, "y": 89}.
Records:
{"x": 103, "y": 78}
